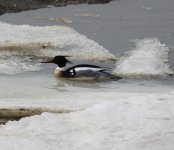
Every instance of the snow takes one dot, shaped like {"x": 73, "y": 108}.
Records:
{"x": 49, "y": 41}
{"x": 127, "y": 121}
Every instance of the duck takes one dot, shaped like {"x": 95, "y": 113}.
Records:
{"x": 80, "y": 71}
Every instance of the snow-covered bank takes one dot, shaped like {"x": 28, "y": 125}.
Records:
{"x": 127, "y": 121}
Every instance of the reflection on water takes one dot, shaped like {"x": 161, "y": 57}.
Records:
{"x": 67, "y": 85}
{"x": 123, "y": 85}
{"x": 43, "y": 85}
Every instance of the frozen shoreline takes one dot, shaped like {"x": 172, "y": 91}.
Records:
{"x": 13, "y": 6}
{"x": 130, "y": 121}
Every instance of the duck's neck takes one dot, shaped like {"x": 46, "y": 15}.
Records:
{"x": 58, "y": 72}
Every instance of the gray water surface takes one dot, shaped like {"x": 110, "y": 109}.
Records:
{"x": 112, "y": 25}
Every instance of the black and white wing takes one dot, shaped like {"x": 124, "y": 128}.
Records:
{"x": 85, "y": 70}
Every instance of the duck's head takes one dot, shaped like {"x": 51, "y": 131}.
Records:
{"x": 59, "y": 60}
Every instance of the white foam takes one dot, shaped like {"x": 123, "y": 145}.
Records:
{"x": 127, "y": 121}
{"x": 148, "y": 58}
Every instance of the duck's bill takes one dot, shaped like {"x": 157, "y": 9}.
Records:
{"x": 48, "y": 61}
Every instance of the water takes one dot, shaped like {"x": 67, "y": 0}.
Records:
{"x": 134, "y": 38}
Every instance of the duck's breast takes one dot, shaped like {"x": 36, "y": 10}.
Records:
{"x": 58, "y": 72}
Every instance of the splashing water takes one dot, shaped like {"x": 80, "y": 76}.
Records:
{"x": 148, "y": 58}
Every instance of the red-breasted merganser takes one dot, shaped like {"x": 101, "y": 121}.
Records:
{"x": 79, "y": 72}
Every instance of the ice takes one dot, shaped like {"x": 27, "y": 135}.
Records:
{"x": 50, "y": 41}
{"x": 127, "y": 121}
{"x": 148, "y": 58}
{"x": 15, "y": 64}
{"x": 19, "y": 44}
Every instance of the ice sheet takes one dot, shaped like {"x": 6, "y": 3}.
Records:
{"x": 127, "y": 121}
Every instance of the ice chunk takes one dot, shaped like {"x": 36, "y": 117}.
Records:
{"x": 19, "y": 42}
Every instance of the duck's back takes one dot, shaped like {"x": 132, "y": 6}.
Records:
{"x": 86, "y": 72}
